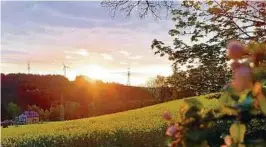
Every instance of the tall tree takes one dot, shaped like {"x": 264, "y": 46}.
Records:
{"x": 208, "y": 24}
{"x": 158, "y": 88}
{"x": 201, "y": 31}
{"x": 71, "y": 110}
{"x": 198, "y": 81}
{"x": 13, "y": 110}
{"x": 211, "y": 26}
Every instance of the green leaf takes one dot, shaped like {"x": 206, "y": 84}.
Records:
{"x": 237, "y": 132}
{"x": 228, "y": 110}
{"x": 228, "y": 99}
{"x": 243, "y": 96}
{"x": 247, "y": 103}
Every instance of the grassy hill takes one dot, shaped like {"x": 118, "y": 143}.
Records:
{"x": 134, "y": 128}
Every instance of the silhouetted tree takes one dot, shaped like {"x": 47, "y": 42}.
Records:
{"x": 201, "y": 31}
{"x": 13, "y": 110}
{"x": 159, "y": 88}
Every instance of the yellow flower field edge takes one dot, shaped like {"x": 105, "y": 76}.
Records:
{"x": 141, "y": 127}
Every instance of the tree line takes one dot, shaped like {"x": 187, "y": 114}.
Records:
{"x": 82, "y": 97}
{"x": 85, "y": 97}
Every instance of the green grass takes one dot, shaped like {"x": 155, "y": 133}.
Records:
{"x": 135, "y": 128}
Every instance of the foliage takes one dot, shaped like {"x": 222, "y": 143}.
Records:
{"x": 54, "y": 114}
{"x": 243, "y": 98}
{"x": 28, "y": 90}
{"x": 71, "y": 110}
{"x": 201, "y": 31}
{"x": 212, "y": 24}
{"x": 44, "y": 115}
{"x": 159, "y": 88}
{"x": 237, "y": 132}
{"x": 13, "y": 110}
{"x": 198, "y": 81}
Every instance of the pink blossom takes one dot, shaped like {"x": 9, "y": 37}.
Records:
{"x": 171, "y": 131}
{"x": 235, "y": 50}
{"x": 242, "y": 78}
{"x": 235, "y": 65}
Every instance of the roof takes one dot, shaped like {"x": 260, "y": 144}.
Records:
{"x": 31, "y": 114}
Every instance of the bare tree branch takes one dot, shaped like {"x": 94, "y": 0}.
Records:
{"x": 231, "y": 18}
{"x": 142, "y": 7}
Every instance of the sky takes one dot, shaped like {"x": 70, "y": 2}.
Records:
{"x": 85, "y": 37}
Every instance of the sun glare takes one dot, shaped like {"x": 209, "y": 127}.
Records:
{"x": 97, "y": 72}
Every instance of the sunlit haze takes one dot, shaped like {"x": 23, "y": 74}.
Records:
{"x": 85, "y": 37}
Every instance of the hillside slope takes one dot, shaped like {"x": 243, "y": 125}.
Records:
{"x": 140, "y": 127}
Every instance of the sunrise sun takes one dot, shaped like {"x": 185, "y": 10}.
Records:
{"x": 97, "y": 72}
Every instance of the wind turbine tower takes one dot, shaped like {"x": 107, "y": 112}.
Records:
{"x": 65, "y": 69}
{"x": 28, "y": 67}
{"x": 62, "y": 108}
{"x": 128, "y": 77}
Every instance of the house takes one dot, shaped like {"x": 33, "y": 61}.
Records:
{"x": 29, "y": 117}
{"x": 22, "y": 118}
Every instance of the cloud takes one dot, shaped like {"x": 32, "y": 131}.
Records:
{"x": 153, "y": 70}
{"x": 107, "y": 56}
{"x": 81, "y": 52}
{"x": 123, "y": 63}
{"x": 45, "y": 30}
{"x": 12, "y": 52}
{"x": 81, "y": 15}
{"x": 8, "y": 64}
{"x": 69, "y": 57}
{"x": 12, "y": 56}
{"x": 124, "y": 52}
{"x": 137, "y": 57}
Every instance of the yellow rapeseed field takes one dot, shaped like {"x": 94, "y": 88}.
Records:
{"x": 142, "y": 127}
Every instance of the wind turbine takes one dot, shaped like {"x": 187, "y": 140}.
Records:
{"x": 65, "y": 69}
{"x": 128, "y": 77}
{"x": 28, "y": 67}
{"x": 62, "y": 109}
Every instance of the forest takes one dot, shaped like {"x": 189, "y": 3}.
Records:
{"x": 81, "y": 98}
{"x": 85, "y": 97}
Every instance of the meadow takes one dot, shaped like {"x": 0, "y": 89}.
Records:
{"x": 140, "y": 127}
